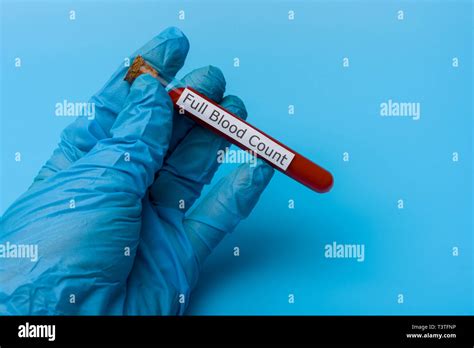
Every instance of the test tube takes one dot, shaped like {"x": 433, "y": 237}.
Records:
{"x": 212, "y": 116}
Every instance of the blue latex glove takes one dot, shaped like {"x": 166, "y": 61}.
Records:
{"x": 111, "y": 236}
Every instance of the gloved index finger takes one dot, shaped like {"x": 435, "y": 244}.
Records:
{"x": 166, "y": 52}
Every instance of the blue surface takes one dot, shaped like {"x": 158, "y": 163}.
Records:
{"x": 407, "y": 251}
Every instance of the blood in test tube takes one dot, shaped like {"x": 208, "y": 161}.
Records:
{"x": 212, "y": 116}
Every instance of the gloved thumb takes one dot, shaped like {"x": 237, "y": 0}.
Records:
{"x": 140, "y": 138}
{"x": 229, "y": 201}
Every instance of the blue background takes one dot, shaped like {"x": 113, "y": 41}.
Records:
{"x": 407, "y": 251}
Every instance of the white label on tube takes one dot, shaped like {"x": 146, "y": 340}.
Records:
{"x": 233, "y": 127}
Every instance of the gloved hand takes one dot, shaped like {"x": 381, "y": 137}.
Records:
{"x": 106, "y": 211}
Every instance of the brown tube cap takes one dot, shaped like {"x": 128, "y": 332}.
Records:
{"x": 138, "y": 67}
